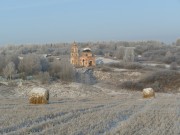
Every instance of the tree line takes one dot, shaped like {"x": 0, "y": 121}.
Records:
{"x": 34, "y": 64}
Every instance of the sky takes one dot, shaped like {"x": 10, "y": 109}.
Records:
{"x": 54, "y": 21}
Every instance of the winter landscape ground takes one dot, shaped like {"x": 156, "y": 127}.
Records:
{"x": 120, "y": 113}
{"x": 79, "y": 109}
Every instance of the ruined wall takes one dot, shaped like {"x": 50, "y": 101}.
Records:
{"x": 85, "y": 60}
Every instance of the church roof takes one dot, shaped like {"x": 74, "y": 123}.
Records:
{"x": 74, "y": 44}
{"x": 86, "y": 50}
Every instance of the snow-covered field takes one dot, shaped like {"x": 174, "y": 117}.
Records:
{"x": 106, "y": 60}
{"x": 103, "y": 114}
{"x": 77, "y": 109}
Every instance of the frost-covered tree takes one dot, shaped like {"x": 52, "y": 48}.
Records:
{"x": 30, "y": 64}
{"x": 9, "y": 70}
{"x": 129, "y": 54}
{"x": 178, "y": 42}
{"x": 120, "y": 52}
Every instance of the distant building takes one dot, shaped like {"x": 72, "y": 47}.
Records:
{"x": 74, "y": 55}
{"x": 86, "y": 59}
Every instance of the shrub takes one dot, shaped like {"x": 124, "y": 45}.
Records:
{"x": 55, "y": 68}
{"x": 120, "y": 52}
{"x": 44, "y": 77}
{"x": 9, "y": 70}
{"x": 173, "y": 66}
{"x": 164, "y": 77}
{"x": 178, "y": 42}
{"x": 132, "y": 85}
{"x": 133, "y": 65}
{"x": 44, "y": 64}
{"x": 117, "y": 65}
{"x": 160, "y": 66}
{"x": 30, "y": 64}
{"x": 127, "y": 65}
{"x": 66, "y": 71}
{"x": 106, "y": 69}
{"x": 129, "y": 55}
{"x": 85, "y": 76}
{"x": 160, "y": 81}
{"x": 169, "y": 59}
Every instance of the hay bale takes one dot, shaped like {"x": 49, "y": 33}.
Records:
{"x": 39, "y": 96}
{"x": 148, "y": 92}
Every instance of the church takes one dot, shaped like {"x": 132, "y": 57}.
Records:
{"x": 86, "y": 59}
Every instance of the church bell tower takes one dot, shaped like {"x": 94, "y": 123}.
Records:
{"x": 74, "y": 55}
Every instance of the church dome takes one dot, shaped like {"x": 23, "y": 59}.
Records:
{"x": 86, "y": 50}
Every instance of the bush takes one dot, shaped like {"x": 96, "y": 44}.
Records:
{"x": 117, "y": 65}
{"x": 85, "y": 76}
{"x": 178, "y": 42}
{"x": 44, "y": 77}
{"x": 173, "y": 66}
{"x": 67, "y": 72}
{"x": 120, "y": 52}
{"x": 30, "y": 65}
{"x": 55, "y": 68}
{"x": 9, "y": 70}
{"x": 132, "y": 85}
{"x": 129, "y": 55}
{"x": 127, "y": 65}
{"x": 44, "y": 65}
{"x": 164, "y": 77}
{"x": 106, "y": 69}
{"x": 169, "y": 60}
{"x": 160, "y": 81}
{"x": 133, "y": 65}
{"x": 160, "y": 66}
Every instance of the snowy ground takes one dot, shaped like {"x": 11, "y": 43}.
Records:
{"x": 112, "y": 113}
{"x": 106, "y": 60}
{"x": 102, "y": 108}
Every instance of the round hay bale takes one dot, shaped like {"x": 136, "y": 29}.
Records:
{"x": 39, "y": 96}
{"x": 148, "y": 93}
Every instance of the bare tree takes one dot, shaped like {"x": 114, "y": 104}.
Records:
{"x": 120, "y": 52}
{"x": 173, "y": 66}
{"x": 9, "y": 70}
{"x": 44, "y": 77}
{"x": 168, "y": 54}
{"x": 44, "y": 64}
{"x": 2, "y": 63}
{"x": 129, "y": 54}
{"x": 30, "y": 64}
{"x": 178, "y": 42}
{"x": 55, "y": 68}
{"x": 67, "y": 71}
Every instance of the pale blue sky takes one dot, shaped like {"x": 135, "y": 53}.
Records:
{"x": 52, "y": 21}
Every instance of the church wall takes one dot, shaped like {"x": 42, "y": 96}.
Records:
{"x": 86, "y": 59}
